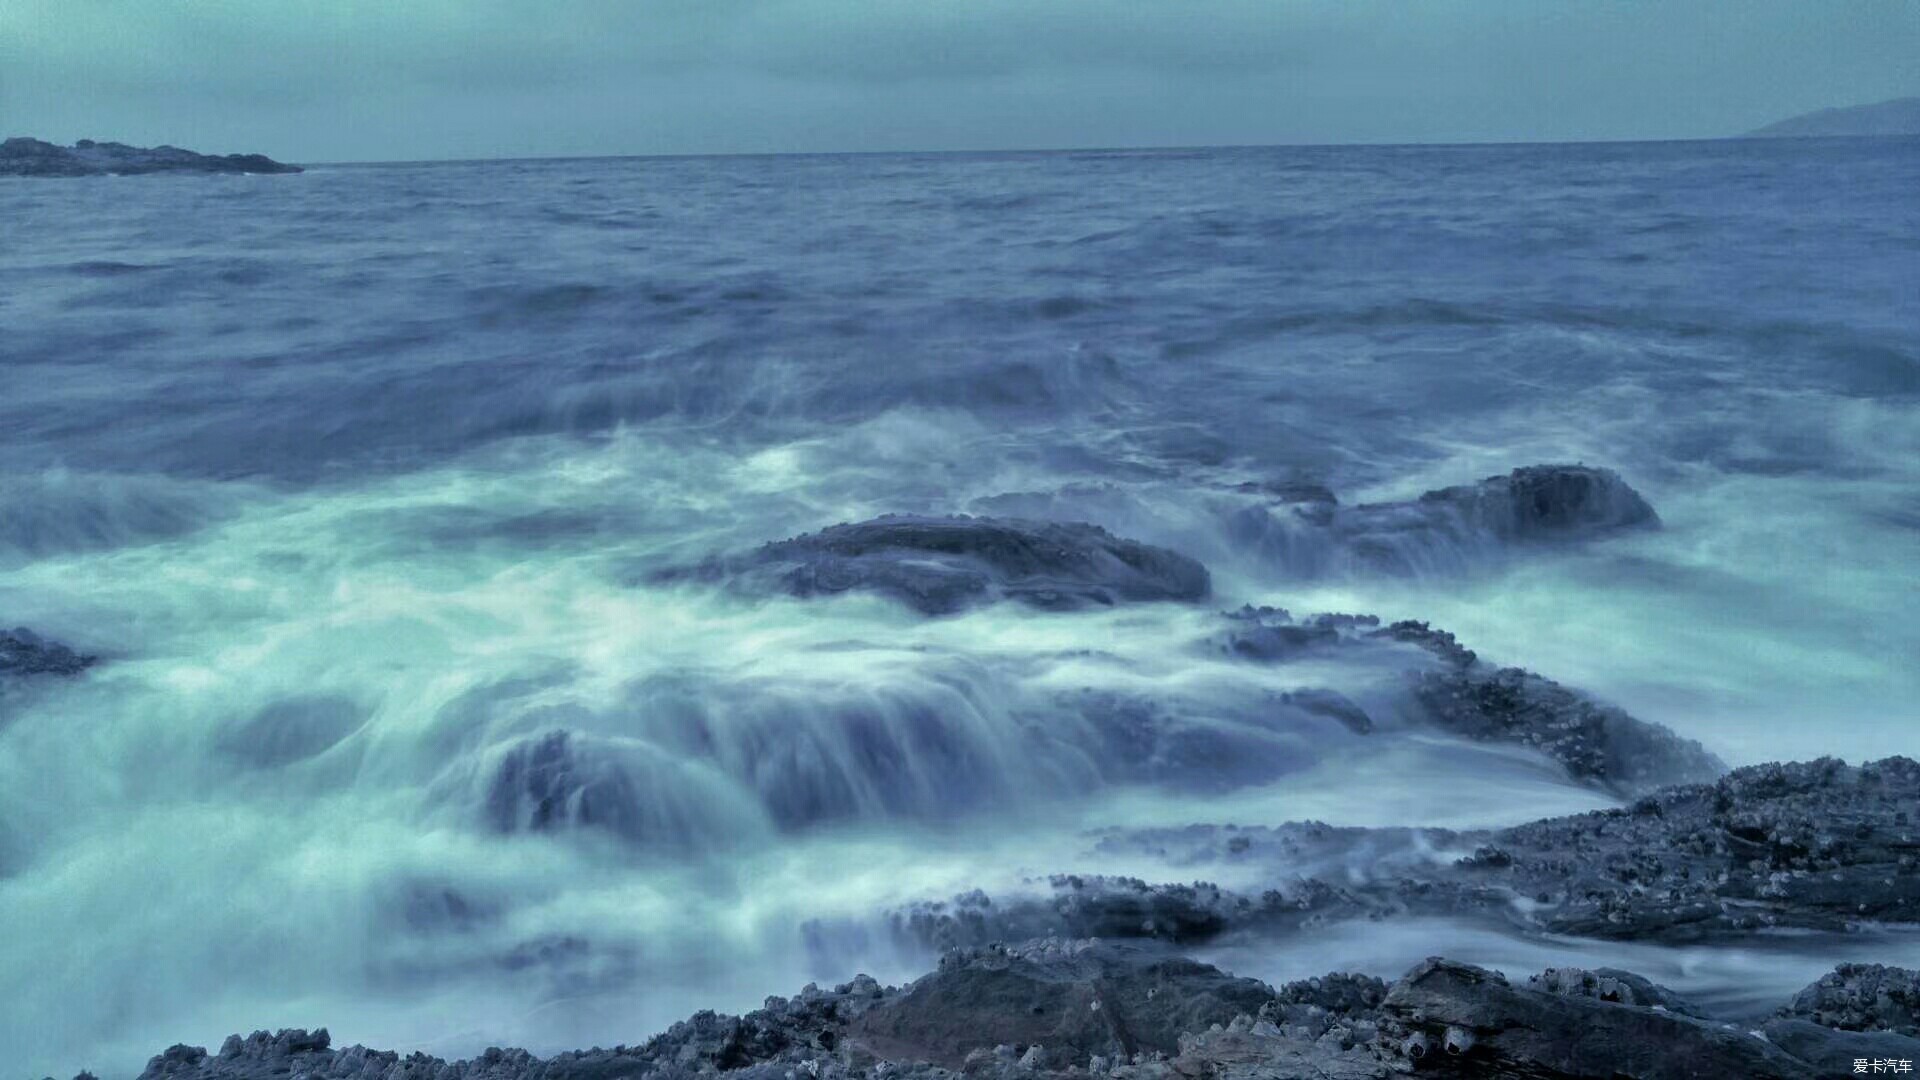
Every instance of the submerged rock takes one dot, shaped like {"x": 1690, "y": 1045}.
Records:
{"x": 292, "y": 730}
{"x": 23, "y": 652}
{"x": 1821, "y": 846}
{"x": 941, "y": 565}
{"x": 34, "y": 157}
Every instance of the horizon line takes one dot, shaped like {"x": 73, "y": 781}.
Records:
{"x": 1090, "y": 149}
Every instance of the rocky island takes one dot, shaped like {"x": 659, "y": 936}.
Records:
{"x": 35, "y": 157}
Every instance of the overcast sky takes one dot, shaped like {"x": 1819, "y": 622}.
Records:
{"x": 319, "y": 80}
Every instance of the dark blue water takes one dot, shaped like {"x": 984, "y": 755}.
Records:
{"x": 354, "y": 478}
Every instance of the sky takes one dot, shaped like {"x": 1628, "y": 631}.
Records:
{"x": 343, "y": 80}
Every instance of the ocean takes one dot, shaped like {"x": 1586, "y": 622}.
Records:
{"x": 360, "y": 482}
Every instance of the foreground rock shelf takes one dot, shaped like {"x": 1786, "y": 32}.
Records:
{"x": 1084, "y": 1008}
{"x": 1818, "y": 846}
{"x": 1097, "y": 986}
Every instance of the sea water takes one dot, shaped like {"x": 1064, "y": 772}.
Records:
{"x": 355, "y": 481}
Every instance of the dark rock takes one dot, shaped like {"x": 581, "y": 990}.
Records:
{"x": 1058, "y": 1009}
{"x": 33, "y": 157}
{"x": 1451, "y": 688}
{"x": 1596, "y": 743}
{"x": 23, "y": 652}
{"x": 1272, "y": 634}
{"x": 941, "y": 565}
{"x": 1862, "y": 997}
{"x": 1077, "y": 999}
{"x": 1548, "y": 502}
{"x": 1833, "y": 1053}
{"x": 1821, "y": 846}
{"x": 545, "y": 784}
{"x": 1449, "y": 530}
{"x": 1508, "y": 1031}
{"x": 1611, "y": 984}
{"x": 1815, "y": 846}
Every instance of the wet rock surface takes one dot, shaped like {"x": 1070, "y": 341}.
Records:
{"x": 1819, "y": 846}
{"x": 1078, "y": 1000}
{"x": 1548, "y": 502}
{"x": 1058, "y": 1008}
{"x": 1456, "y": 691}
{"x": 1862, "y": 997}
{"x": 1308, "y": 532}
{"x": 1472, "y": 1014}
{"x": 34, "y": 157}
{"x": 23, "y": 652}
{"x": 941, "y": 565}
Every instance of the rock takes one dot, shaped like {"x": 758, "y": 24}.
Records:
{"x": 941, "y": 565}
{"x": 33, "y": 157}
{"x": 1519, "y": 1032}
{"x": 1444, "y": 531}
{"x": 1862, "y": 997}
{"x": 1453, "y": 689}
{"x": 1595, "y": 743}
{"x": 23, "y": 652}
{"x": 1611, "y": 984}
{"x": 1833, "y": 1053}
{"x": 542, "y": 785}
{"x": 1057, "y": 1008}
{"x": 1821, "y": 846}
{"x": 1548, "y": 502}
{"x": 1269, "y": 634}
{"x": 1266, "y": 1052}
{"x": 1078, "y": 999}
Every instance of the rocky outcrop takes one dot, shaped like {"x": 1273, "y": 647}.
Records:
{"x": 1822, "y": 846}
{"x": 1307, "y": 532}
{"x": 1862, "y": 997}
{"x": 941, "y": 565}
{"x": 23, "y": 652}
{"x": 1054, "y": 1008}
{"x": 33, "y": 157}
{"x": 1543, "y": 502}
{"x": 1454, "y": 690}
{"x": 1471, "y": 1014}
{"x": 1596, "y": 743}
{"x": 1077, "y": 1000}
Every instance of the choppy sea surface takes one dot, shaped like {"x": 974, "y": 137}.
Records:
{"x": 354, "y": 479}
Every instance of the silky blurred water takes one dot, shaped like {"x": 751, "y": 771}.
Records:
{"x": 353, "y": 479}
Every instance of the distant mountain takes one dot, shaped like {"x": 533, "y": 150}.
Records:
{"x": 32, "y": 157}
{"x": 1901, "y": 116}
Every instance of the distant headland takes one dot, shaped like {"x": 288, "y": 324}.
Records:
{"x": 34, "y": 157}
{"x": 1901, "y": 116}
